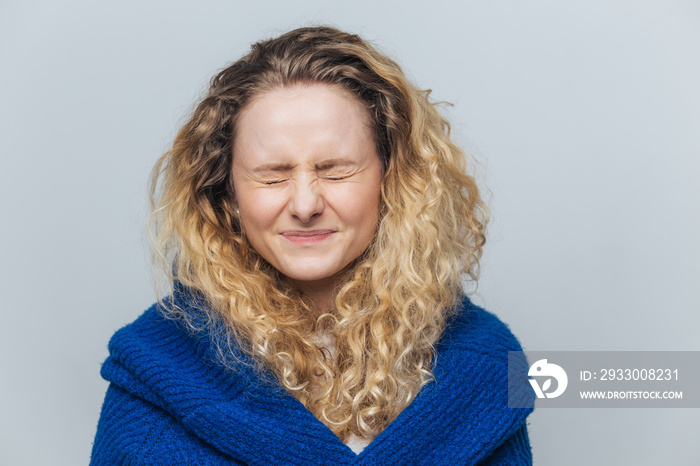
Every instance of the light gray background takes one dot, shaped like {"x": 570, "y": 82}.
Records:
{"x": 584, "y": 115}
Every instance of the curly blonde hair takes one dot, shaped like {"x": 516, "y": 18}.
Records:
{"x": 394, "y": 305}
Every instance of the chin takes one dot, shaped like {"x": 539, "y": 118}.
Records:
{"x": 310, "y": 277}
{"x": 310, "y": 273}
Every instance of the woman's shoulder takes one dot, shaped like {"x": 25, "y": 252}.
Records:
{"x": 151, "y": 336}
{"x": 168, "y": 387}
{"x": 479, "y": 349}
{"x": 170, "y": 350}
{"x": 179, "y": 326}
{"x": 474, "y": 328}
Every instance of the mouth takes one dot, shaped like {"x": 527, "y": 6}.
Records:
{"x": 306, "y": 236}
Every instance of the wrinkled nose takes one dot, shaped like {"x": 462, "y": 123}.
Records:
{"x": 306, "y": 202}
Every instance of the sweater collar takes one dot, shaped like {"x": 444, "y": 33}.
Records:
{"x": 459, "y": 417}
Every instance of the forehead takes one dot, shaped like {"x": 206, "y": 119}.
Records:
{"x": 303, "y": 120}
{"x": 313, "y": 99}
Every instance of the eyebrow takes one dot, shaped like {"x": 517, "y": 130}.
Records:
{"x": 286, "y": 167}
{"x": 273, "y": 167}
{"x": 332, "y": 163}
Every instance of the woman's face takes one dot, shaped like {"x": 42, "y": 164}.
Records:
{"x": 307, "y": 180}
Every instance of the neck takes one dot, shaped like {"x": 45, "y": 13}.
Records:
{"x": 322, "y": 292}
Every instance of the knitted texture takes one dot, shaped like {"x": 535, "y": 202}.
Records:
{"x": 171, "y": 402}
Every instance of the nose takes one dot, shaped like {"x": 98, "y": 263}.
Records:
{"x": 306, "y": 202}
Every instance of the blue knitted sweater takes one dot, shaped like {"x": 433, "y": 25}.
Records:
{"x": 170, "y": 402}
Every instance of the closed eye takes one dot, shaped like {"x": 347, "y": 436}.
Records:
{"x": 337, "y": 176}
{"x": 273, "y": 182}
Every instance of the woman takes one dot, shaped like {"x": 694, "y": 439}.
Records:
{"x": 315, "y": 221}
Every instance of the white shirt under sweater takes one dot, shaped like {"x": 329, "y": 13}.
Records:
{"x": 357, "y": 444}
{"x": 325, "y": 340}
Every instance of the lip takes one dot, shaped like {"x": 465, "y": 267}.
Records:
{"x": 306, "y": 236}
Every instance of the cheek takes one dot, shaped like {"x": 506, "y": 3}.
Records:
{"x": 359, "y": 207}
{"x": 259, "y": 209}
